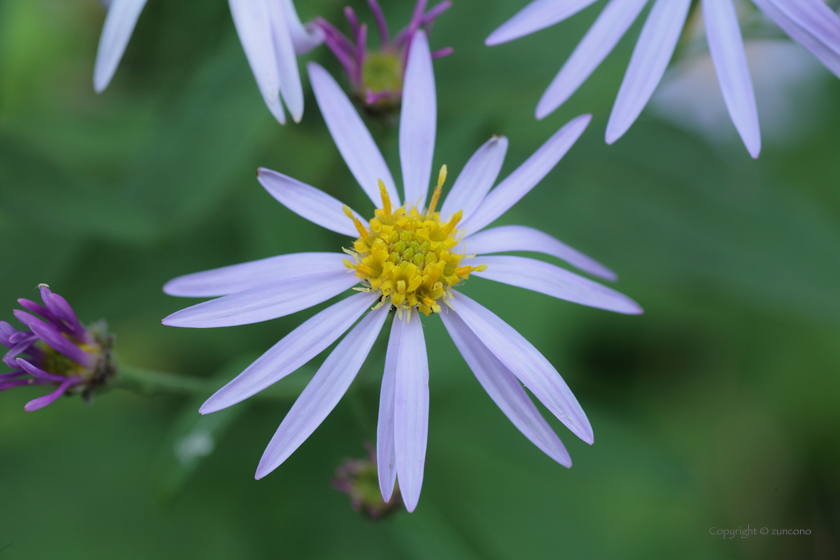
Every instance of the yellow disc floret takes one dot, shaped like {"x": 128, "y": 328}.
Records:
{"x": 406, "y": 256}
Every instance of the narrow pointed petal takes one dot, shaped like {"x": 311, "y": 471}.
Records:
{"x": 292, "y": 352}
{"x": 240, "y": 277}
{"x": 503, "y": 239}
{"x": 599, "y": 41}
{"x": 253, "y": 24}
{"x": 828, "y": 54}
{"x": 119, "y": 24}
{"x": 526, "y": 363}
{"x": 815, "y": 17}
{"x": 730, "y": 60}
{"x": 268, "y": 301}
{"x": 526, "y": 176}
{"x": 386, "y": 457}
{"x": 653, "y": 51}
{"x": 47, "y": 400}
{"x": 53, "y": 338}
{"x": 291, "y": 90}
{"x": 39, "y": 373}
{"x": 304, "y": 37}
{"x": 411, "y": 409}
{"x": 554, "y": 281}
{"x": 476, "y": 179}
{"x": 323, "y": 392}
{"x": 505, "y": 390}
{"x": 351, "y": 136}
{"x": 308, "y": 202}
{"x": 418, "y": 121}
{"x": 535, "y": 16}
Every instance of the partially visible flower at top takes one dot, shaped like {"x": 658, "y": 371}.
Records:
{"x": 359, "y": 479}
{"x": 376, "y": 76}
{"x": 811, "y": 23}
{"x": 271, "y": 34}
{"x": 408, "y": 258}
{"x": 55, "y": 349}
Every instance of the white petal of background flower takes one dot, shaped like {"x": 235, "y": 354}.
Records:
{"x": 476, "y": 179}
{"x": 351, "y": 136}
{"x": 386, "y": 457}
{"x": 505, "y": 389}
{"x": 537, "y": 15}
{"x": 554, "y": 281}
{"x": 291, "y": 90}
{"x": 610, "y": 26}
{"x": 418, "y": 121}
{"x": 650, "y": 58}
{"x": 411, "y": 408}
{"x": 324, "y": 391}
{"x": 526, "y": 363}
{"x": 268, "y": 301}
{"x": 292, "y": 351}
{"x": 304, "y": 38}
{"x": 119, "y": 24}
{"x": 253, "y": 24}
{"x": 308, "y": 202}
{"x": 727, "y": 50}
{"x": 526, "y": 176}
{"x": 504, "y": 239}
{"x": 239, "y": 277}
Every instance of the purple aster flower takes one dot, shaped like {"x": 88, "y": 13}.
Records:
{"x": 407, "y": 259}
{"x": 359, "y": 479}
{"x": 809, "y": 22}
{"x": 376, "y": 76}
{"x": 271, "y": 34}
{"x": 55, "y": 349}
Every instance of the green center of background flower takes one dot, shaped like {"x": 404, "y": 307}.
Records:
{"x": 382, "y": 72}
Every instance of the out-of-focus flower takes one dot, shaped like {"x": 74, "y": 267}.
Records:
{"x": 55, "y": 349}
{"x": 376, "y": 76}
{"x": 809, "y": 22}
{"x": 359, "y": 479}
{"x": 271, "y": 34}
{"x": 408, "y": 258}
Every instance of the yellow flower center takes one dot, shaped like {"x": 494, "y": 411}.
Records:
{"x": 406, "y": 256}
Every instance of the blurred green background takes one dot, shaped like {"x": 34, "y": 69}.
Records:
{"x": 718, "y": 408}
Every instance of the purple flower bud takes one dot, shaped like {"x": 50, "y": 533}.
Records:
{"x": 359, "y": 479}
{"x": 55, "y": 349}
{"x": 376, "y": 75}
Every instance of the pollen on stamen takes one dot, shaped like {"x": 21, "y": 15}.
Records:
{"x": 406, "y": 255}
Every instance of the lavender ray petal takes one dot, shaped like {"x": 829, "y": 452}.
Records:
{"x": 730, "y": 61}
{"x": 59, "y": 306}
{"x": 828, "y": 55}
{"x": 352, "y": 20}
{"x": 39, "y": 373}
{"x": 252, "y": 20}
{"x": 239, "y": 277}
{"x": 411, "y": 409}
{"x": 650, "y": 58}
{"x": 386, "y": 458}
{"x": 418, "y": 121}
{"x": 598, "y": 42}
{"x": 476, "y": 179}
{"x": 308, "y": 202}
{"x": 554, "y": 281}
{"x": 11, "y": 375}
{"x": 119, "y": 25}
{"x": 526, "y": 363}
{"x": 815, "y": 17}
{"x": 30, "y": 305}
{"x": 6, "y": 385}
{"x": 269, "y": 301}
{"x": 535, "y": 16}
{"x": 361, "y": 49}
{"x": 47, "y": 400}
{"x": 52, "y": 338}
{"x": 22, "y": 337}
{"x": 505, "y": 389}
{"x": 526, "y": 176}
{"x": 304, "y": 37}
{"x": 351, "y": 136}
{"x": 292, "y": 352}
{"x": 434, "y": 12}
{"x": 288, "y": 76}
{"x": 522, "y": 238}
{"x": 323, "y": 392}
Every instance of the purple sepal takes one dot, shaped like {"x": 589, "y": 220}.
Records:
{"x": 59, "y": 306}
{"x": 11, "y": 375}
{"x": 54, "y": 340}
{"x": 20, "y": 383}
{"x": 47, "y": 400}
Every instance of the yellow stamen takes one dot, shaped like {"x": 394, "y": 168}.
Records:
{"x": 450, "y": 227}
{"x": 436, "y": 194}
{"x": 386, "y": 200}
{"x": 359, "y": 227}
